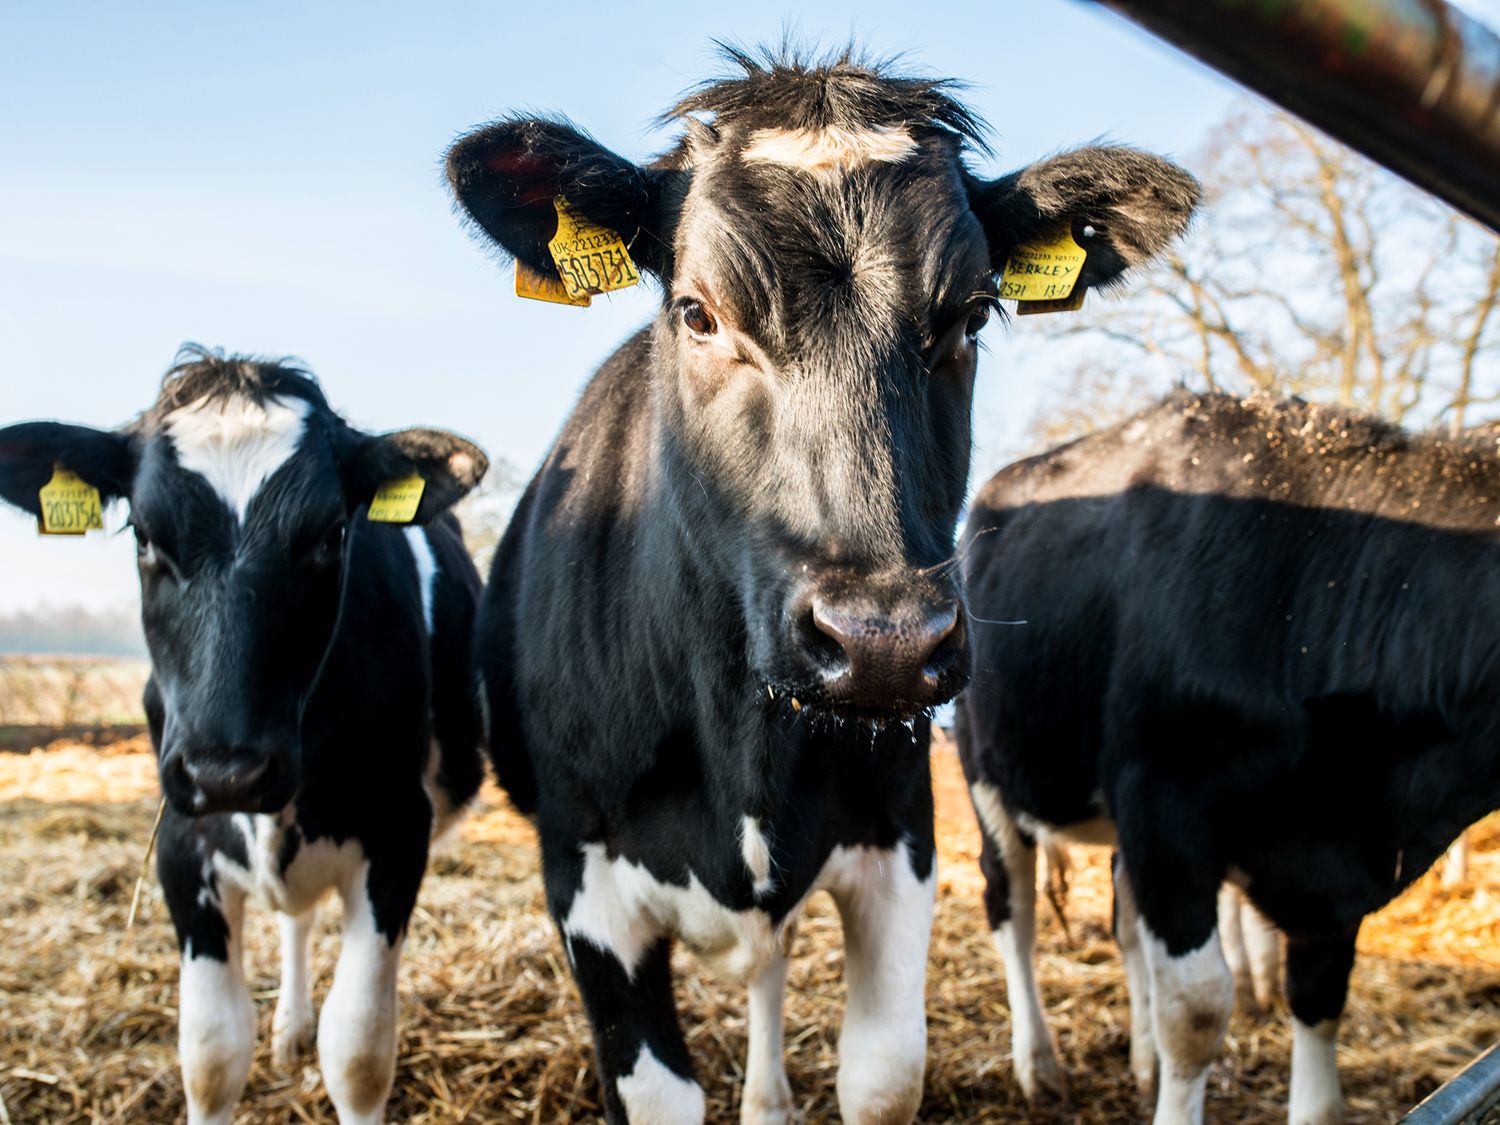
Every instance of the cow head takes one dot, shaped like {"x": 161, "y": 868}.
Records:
{"x": 242, "y": 485}
{"x": 827, "y": 262}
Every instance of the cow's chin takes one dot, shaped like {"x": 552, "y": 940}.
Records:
{"x": 813, "y": 700}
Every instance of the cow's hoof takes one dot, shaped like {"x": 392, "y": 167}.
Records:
{"x": 769, "y": 1106}
{"x": 1041, "y": 1076}
{"x": 292, "y": 1043}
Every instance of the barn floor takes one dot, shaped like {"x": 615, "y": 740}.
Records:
{"x": 492, "y": 1030}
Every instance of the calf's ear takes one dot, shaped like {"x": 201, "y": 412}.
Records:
{"x": 31, "y": 450}
{"x": 505, "y": 176}
{"x": 450, "y": 466}
{"x": 1135, "y": 202}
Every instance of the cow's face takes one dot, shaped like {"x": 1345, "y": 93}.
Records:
{"x": 827, "y": 264}
{"x": 241, "y": 495}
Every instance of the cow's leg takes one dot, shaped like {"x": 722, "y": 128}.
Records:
{"x": 294, "y": 1025}
{"x": 1317, "y": 977}
{"x": 1263, "y": 951}
{"x": 1137, "y": 983}
{"x": 621, "y": 960}
{"x": 1008, "y": 860}
{"x": 216, "y": 1017}
{"x": 767, "y": 1099}
{"x": 1232, "y": 940}
{"x": 357, "y": 1029}
{"x": 1456, "y": 863}
{"x": 886, "y": 909}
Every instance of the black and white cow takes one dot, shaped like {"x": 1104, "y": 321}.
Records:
{"x": 733, "y": 573}
{"x": 1250, "y": 640}
{"x": 309, "y": 700}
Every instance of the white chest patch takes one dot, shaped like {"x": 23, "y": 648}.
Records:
{"x": 316, "y": 869}
{"x": 621, "y": 908}
{"x": 235, "y": 444}
{"x": 829, "y": 151}
{"x": 756, "y": 850}
{"x": 421, "y": 553}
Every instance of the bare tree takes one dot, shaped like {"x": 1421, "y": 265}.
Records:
{"x": 1311, "y": 272}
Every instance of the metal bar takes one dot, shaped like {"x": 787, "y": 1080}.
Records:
{"x": 1413, "y": 84}
{"x": 1464, "y": 1097}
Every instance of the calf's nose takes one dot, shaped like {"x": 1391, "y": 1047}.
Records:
{"x": 235, "y": 779}
{"x": 890, "y": 659}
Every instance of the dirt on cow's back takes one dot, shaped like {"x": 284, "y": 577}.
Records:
{"x": 492, "y": 1030}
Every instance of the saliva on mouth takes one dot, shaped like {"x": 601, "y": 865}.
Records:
{"x": 876, "y": 721}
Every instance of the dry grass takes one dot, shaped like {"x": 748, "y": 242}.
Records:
{"x": 70, "y": 690}
{"x": 492, "y": 1030}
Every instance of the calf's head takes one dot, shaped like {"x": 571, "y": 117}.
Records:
{"x": 827, "y": 262}
{"x": 242, "y": 485}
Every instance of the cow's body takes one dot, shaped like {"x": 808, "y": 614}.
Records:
{"x": 310, "y": 699}
{"x": 1255, "y": 642}
{"x": 726, "y": 601}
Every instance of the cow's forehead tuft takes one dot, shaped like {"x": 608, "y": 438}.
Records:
{"x": 236, "y": 442}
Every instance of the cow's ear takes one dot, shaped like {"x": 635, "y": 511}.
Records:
{"x": 506, "y": 175}
{"x": 450, "y": 466}
{"x": 30, "y": 451}
{"x": 1135, "y": 203}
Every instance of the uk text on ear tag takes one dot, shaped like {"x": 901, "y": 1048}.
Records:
{"x": 540, "y": 287}
{"x": 70, "y": 505}
{"x": 590, "y": 258}
{"x": 1044, "y": 270}
{"x": 1067, "y": 304}
{"x": 396, "y": 500}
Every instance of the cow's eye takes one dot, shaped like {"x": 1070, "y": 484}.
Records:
{"x": 331, "y": 547}
{"x": 699, "y": 321}
{"x": 978, "y": 318}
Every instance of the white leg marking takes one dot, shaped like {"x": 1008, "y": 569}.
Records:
{"x": 215, "y": 1029}
{"x": 887, "y": 916}
{"x": 1191, "y": 998}
{"x": 1138, "y": 984}
{"x": 427, "y": 568}
{"x": 294, "y": 1026}
{"x": 1263, "y": 947}
{"x": 1033, "y": 1052}
{"x": 756, "y": 850}
{"x": 1317, "y": 1098}
{"x": 653, "y": 1095}
{"x": 357, "y": 1031}
{"x": 767, "y": 1099}
{"x": 235, "y": 444}
{"x": 1456, "y": 863}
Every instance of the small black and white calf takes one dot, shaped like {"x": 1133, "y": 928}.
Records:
{"x": 728, "y": 598}
{"x": 1249, "y": 640}
{"x": 309, "y": 700}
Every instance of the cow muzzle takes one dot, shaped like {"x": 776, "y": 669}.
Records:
{"x": 222, "y": 779}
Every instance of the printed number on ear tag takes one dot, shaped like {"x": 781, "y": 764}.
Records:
{"x": 590, "y": 258}
{"x": 70, "y": 505}
{"x": 1043, "y": 271}
{"x": 540, "y": 287}
{"x": 397, "y": 500}
{"x": 1067, "y": 304}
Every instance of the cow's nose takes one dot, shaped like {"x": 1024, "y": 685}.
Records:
{"x": 235, "y": 779}
{"x": 890, "y": 660}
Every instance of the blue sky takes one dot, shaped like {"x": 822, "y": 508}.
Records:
{"x": 266, "y": 178}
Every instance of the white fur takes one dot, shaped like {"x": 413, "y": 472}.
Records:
{"x": 1138, "y": 985}
{"x": 767, "y": 1098}
{"x": 235, "y": 444}
{"x": 756, "y": 850}
{"x": 427, "y": 568}
{"x": 653, "y": 1095}
{"x": 1252, "y": 948}
{"x": 1191, "y": 998}
{"x": 1033, "y": 1053}
{"x": 1456, "y": 863}
{"x": 316, "y": 869}
{"x": 621, "y": 908}
{"x": 887, "y": 915}
{"x": 830, "y": 150}
{"x": 1317, "y": 1097}
{"x": 357, "y": 1030}
{"x": 294, "y": 1026}
{"x": 215, "y": 1029}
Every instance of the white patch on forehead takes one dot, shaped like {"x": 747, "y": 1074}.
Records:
{"x": 235, "y": 444}
{"x": 829, "y": 150}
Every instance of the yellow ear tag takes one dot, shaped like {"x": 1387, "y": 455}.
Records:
{"x": 1043, "y": 271}
{"x": 70, "y": 505}
{"x": 540, "y": 287}
{"x": 590, "y": 258}
{"x": 397, "y": 500}
{"x": 1067, "y": 304}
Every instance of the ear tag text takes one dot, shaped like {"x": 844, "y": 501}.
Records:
{"x": 396, "y": 500}
{"x": 70, "y": 505}
{"x": 1043, "y": 271}
{"x": 540, "y": 287}
{"x": 590, "y": 258}
{"x": 1066, "y": 304}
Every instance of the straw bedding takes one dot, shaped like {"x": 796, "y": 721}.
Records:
{"x": 491, "y": 1026}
